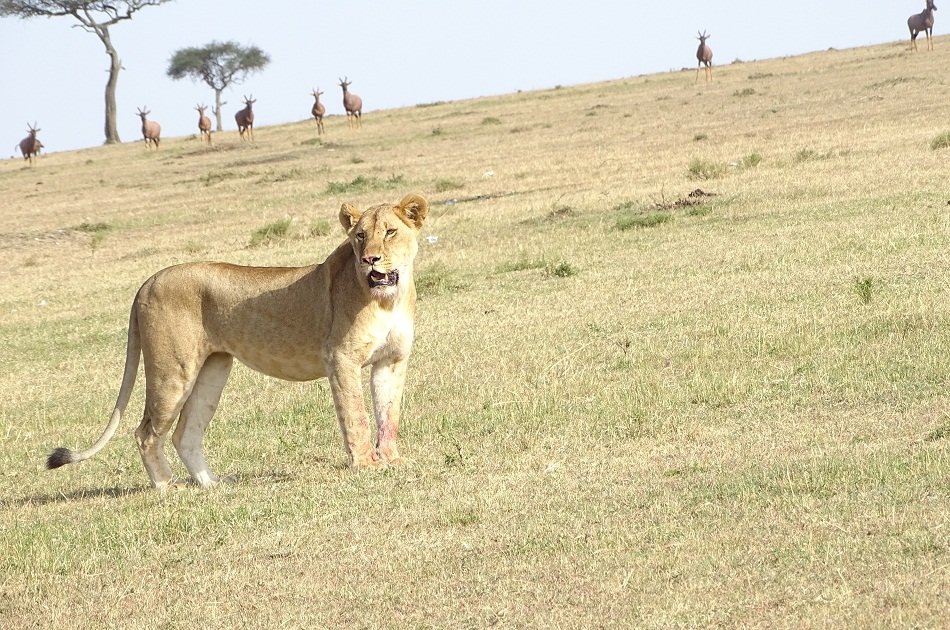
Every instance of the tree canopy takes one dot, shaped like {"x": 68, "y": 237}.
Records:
{"x": 94, "y": 16}
{"x": 218, "y": 64}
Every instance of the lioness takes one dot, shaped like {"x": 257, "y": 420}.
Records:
{"x": 190, "y": 321}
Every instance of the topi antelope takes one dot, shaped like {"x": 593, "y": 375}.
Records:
{"x": 318, "y": 110}
{"x": 353, "y": 105}
{"x": 245, "y": 119}
{"x": 204, "y": 124}
{"x": 922, "y": 22}
{"x": 30, "y": 145}
{"x": 151, "y": 130}
{"x": 704, "y": 55}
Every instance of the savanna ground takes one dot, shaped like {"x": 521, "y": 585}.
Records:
{"x": 626, "y": 406}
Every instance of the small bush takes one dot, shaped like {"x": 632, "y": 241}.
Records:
{"x": 697, "y": 211}
{"x": 625, "y": 205}
{"x": 271, "y": 233}
{"x": 491, "y": 120}
{"x": 864, "y": 288}
{"x": 751, "y": 160}
{"x": 97, "y": 232}
{"x": 213, "y": 177}
{"x": 942, "y": 141}
{"x": 320, "y": 227}
{"x": 438, "y": 280}
{"x": 445, "y": 185}
{"x": 699, "y": 137}
{"x": 560, "y": 269}
{"x": 652, "y": 219}
{"x": 746, "y": 92}
{"x": 704, "y": 169}
{"x": 805, "y": 155}
{"x": 523, "y": 265}
{"x": 363, "y": 184}
{"x": 93, "y": 228}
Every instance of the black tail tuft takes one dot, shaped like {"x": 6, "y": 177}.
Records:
{"x": 59, "y": 457}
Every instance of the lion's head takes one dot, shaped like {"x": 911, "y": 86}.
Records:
{"x": 384, "y": 241}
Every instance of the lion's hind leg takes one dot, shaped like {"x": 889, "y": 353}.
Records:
{"x": 166, "y": 391}
{"x": 196, "y": 414}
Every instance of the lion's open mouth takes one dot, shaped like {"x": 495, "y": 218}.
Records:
{"x": 380, "y": 279}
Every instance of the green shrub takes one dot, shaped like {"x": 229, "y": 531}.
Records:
{"x": 805, "y": 155}
{"x": 704, "y": 169}
{"x": 652, "y": 219}
{"x": 363, "y": 184}
{"x": 271, "y": 233}
{"x": 93, "y": 228}
{"x": 445, "y": 185}
{"x": 320, "y": 227}
{"x": 864, "y": 288}
{"x": 561, "y": 269}
{"x": 522, "y": 265}
{"x": 942, "y": 141}
{"x": 751, "y": 160}
{"x": 438, "y": 280}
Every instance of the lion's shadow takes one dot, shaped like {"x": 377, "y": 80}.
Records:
{"x": 117, "y": 492}
{"x": 75, "y": 495}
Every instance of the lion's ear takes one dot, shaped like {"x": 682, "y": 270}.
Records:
{"x": 414, "y": 208}
{"x": 349, "y": 216}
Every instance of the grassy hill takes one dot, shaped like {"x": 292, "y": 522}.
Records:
{"x": 681, "y": 359}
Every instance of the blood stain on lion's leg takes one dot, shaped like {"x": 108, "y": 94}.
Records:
{"x": 386, "y": 442}
{"x": 386, "y": 383}
{"x": 362, "y": 455}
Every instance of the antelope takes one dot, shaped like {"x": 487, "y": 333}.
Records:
{"x": 30, "y": 145}
{"x": 353, "y": 105}
{"x": 151, "y": 130}
{"x": 318, "y": 110}
{"x": 204, "y": 124}
{"x": 922, "y": 22}
{"x": 704, "y": 55}
{"x": 245, "y": 119}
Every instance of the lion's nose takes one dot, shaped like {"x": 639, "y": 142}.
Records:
{"x": 371, "y": 260}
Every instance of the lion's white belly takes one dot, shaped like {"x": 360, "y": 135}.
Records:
{"x": 388, "y": 338}
{"x": 303, "y": 365}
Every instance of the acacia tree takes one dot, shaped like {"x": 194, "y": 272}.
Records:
{"x": 218, "y": 64}
{"x": 94, "y": 16}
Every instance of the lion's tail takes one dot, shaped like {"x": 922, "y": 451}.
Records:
{"x": 62, "y": 456}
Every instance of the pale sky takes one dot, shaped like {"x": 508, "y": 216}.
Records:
{"x": 395, "y": 53}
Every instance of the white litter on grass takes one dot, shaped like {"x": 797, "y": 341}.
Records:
{"x": 432, "y": 240}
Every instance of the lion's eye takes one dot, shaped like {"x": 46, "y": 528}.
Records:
{"x": 390, "y": 232}
{"x": 360, "y": 236}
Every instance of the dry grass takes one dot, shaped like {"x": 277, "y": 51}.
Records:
{"x": 729, "y": 417}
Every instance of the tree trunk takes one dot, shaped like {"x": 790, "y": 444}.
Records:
{"x": 217, "y": 109}
{"x": 112, "y": 132}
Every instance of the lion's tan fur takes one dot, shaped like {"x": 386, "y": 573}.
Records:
{"x": 301, "y": 323}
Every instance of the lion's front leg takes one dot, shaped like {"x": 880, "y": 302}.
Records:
{"x": 386, "y": 383}
{"x": 346, "y": 386}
